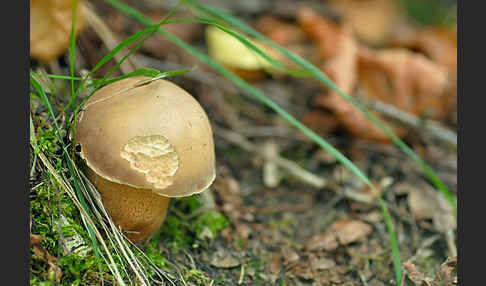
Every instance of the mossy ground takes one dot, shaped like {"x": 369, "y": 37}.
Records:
{"x": 48, "y": 201}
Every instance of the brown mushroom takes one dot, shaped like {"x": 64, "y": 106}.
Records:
{"x": 50, "y": 27}
{"x": 144, "y": 143}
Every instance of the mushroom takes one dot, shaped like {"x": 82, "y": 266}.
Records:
{"x": 143, "y": 143}
{"x": 50, "y": 27}
{"x": 247, "y": 64}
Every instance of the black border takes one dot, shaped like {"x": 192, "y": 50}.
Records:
{"x": 15, "y": 142}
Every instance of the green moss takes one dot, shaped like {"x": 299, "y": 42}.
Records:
{"x": 197, "y": 277}
{"x": 213, "y": 220}
{"x": 74, "y": 268}
{"x": 182, "y": 232}
{"x": 153, "y": 252}
{"x": 45, "y": 205}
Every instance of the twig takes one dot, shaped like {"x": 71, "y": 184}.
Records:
{"x": 242, "y": 274}
{"x": 271, "y": 174}
{"x": 430, "y": 127}
{"x": 450, "y": 242}
{"x": 291, "y": 167}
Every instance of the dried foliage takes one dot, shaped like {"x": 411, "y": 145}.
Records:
{"x": 408, "y": 80}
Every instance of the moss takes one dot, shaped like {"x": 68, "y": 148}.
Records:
{"x": 213, "y": 220}
{"x": 45, "y": 205}
{"x": 196, "y": 277}
{"x": 153, "y": 252}
{"x": 74, "y": 268}
{"x": 178, "y": 231}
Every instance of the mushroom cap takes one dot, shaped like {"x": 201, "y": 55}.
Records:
{"x": 151, "y": 135}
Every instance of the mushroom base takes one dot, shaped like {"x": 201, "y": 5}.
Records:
{"x": 138, "y": 212}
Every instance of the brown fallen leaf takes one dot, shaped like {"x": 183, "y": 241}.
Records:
{"x": 340, "y": 50}
{"x": 224, "y": 259}
{"x": 50, "y": 27}
{"x": 275, "y": 265}
{"x": 439, "y": 43}
{"x": 322, "y": 263}
{"x": 406, "y": 79}
{"x": 54, "y": 271}
{"x": 416, "y": 276}
{"x": 290, "y": 257}
{"x": 287, "y": 35}
{"x": 373, "y": 21}
{"x": 323, "y": 31}
{"x": 228, "y": 190}
{"x": 320, "y": 121}
{"x": 303, "y": 270}
{"x": 279, "y": 31}
{"x": 422, "y": 201}
{"x": 425, "y": 202}
{"x": 348, "y": 230}
{"x": 326, "y": 241}
{"x": 446, "y": 275}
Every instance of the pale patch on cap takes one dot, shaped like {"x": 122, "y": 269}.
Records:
{"x": 154, "y": 156}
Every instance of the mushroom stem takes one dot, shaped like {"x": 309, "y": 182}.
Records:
{"x": 139, "y": 213}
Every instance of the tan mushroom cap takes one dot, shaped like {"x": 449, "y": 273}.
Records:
{"x": 149, "y": 136}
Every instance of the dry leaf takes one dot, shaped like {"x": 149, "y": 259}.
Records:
{"x": 416, "y": 276}
{"x": 303, "y": 270}
{"x": 287, "y": 35}
{"x": 326, "y": 241}
{"x": 373, "y": 21}
{"x": 405, "y": 79}
{"x": 275, "y": 265}
{"x": 439, "y": 43}
{"x": 223, "y": 259}
{"x": 447, "y": 274}
{"x": 50, "y": 27}
{"x": 427, "y": 203}
{"x": 290, "y": 256}
{"x": 279, "y": 31}
{"x": 421, "y": 203}
{"x": 54, "y": 271}
{"x": 348, "y": 231}
{"x": 320, "y": 121}
{"x": 324, "y": 32}
{"x": 228, "y": 190}
{"x": 340, "y": 50}
{"x": 322, "y": 263}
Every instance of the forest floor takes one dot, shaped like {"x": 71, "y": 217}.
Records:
{"x": 282, "y": 211}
